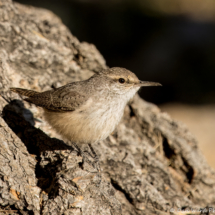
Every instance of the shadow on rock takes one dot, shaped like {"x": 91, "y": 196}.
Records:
{"x": 21, "y": 121}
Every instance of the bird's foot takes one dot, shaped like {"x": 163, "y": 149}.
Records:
{"x": 94, "y": 156}
{"x": 90, "y": 158}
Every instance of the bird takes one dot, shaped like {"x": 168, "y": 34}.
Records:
{"x": 87, "y": 112}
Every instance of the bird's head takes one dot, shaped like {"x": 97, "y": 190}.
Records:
{"x": 123, "y": 81}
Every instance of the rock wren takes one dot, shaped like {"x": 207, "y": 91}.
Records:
{"x": 86, "y": 112}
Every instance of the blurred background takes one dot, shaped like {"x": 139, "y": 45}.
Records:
{"x": 171, "y": 42}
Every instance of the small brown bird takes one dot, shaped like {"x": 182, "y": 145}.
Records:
{"x": 86, "y": 112}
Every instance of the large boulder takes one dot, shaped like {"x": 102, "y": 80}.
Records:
{"x": 151, "y": 164}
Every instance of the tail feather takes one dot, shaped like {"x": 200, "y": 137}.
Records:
{"x": 24, "y": 92}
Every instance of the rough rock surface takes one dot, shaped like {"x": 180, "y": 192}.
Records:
{"x": 150, "y": 164}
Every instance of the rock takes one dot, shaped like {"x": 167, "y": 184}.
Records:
{"x": 150, "y": 164}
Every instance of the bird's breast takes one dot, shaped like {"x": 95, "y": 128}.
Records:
{"x": 91, "y": 123}
{"x": 102, "y": 118}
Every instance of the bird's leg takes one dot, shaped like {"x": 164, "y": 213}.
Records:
{"x": 95, "y": 164}
{"x": 95, "y": 156}
{"x": 84, "y": 156}
{"x": 82, "y": 153}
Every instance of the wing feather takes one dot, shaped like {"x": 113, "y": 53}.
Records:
{"x": 66, "y": 98}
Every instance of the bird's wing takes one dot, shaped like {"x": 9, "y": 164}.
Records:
{"x": 66, "y": 98}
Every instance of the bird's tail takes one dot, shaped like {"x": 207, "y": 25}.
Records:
{"x": 24, "y": 92}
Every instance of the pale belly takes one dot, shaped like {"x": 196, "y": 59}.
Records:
{"x": 88, "y": 125}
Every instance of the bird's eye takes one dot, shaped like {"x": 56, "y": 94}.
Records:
{"x": 121, "y": 80}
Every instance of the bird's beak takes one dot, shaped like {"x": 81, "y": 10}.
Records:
{"x": 148, "y": 83}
